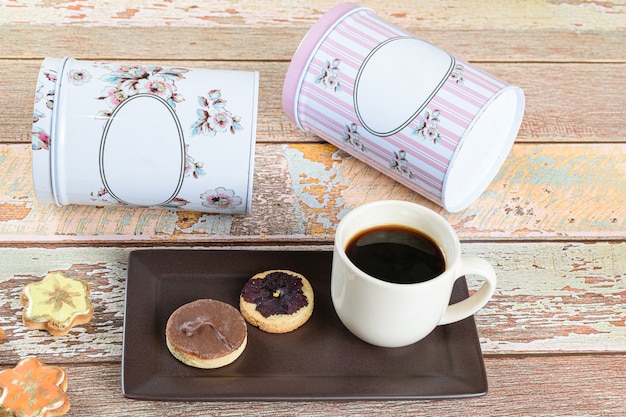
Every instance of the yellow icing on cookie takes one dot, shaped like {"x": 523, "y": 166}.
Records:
{"x": 56, "y": 299}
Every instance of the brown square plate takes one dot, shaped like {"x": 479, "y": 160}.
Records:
{"x": 321, "y": 360}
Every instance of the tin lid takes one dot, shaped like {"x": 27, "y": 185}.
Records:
{"x": 42, "y": 129}
{"x": 483, "y": 149}
{"x": 303, "y": 55}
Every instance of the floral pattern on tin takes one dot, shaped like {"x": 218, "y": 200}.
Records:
{"x": 220, "y": 199}
{"x": 177, "y": 202}
{"x": 99, "y": 194}
{"x": 193, "y": 167}
{"x": 457, "y": 74}
{"x": 400, "y": 164}
{"x": 427, "y": 126}
{"x": 352, "y": 137}
{"x": 51, "y": 75}
{"x": 129, "y": 80}
{"x": 103, "y": 197}
{"x": 213, "y": 117}
{"x": 38, "y": 115}
{"x": 329, "y": 76}
{"x": 40, "y": 139}
{"x": 78, "y": 76}
{"x": 49, "y": 95}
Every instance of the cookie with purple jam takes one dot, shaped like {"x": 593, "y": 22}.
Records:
{"x": 277, "y": 301}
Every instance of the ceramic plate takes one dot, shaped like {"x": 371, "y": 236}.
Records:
{"x": 321, "y": 360}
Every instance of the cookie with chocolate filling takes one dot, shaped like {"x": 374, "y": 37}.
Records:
{"x": 206, "y": 334}
{"x": 277, "y": 301}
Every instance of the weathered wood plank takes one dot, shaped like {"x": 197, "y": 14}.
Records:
{"x": 571, "y": 15}
{"x": 277, "y": 43}
{"x": 302, "y": 190}
{"x": 561, "y": 386}
{"x": 555, "y": 110}
{"x": 551, "y": 297}
{"x": 554, "y": 297}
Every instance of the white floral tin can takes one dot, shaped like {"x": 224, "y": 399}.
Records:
{"x": 144, "y": 135}
{"x": 436, "y": 124}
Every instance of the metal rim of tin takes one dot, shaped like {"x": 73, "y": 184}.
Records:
{"x": 55, "y": 146}
{"x": 458, "y": 191}
{"x": 42, "y": 160}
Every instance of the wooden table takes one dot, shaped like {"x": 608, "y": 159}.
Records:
{"x": 553, "y": 222}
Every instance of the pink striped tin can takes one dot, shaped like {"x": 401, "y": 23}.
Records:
{"x": 436, "y": 124}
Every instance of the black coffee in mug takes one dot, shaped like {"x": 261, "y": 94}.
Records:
{"x": 396, "y": 254}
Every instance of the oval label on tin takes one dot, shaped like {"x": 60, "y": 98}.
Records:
{"x": 142, "y": 152}
{"x": 396, "y": 81}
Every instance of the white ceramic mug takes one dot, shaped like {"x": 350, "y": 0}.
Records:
{"x": 438, "y": 125}
{"x": 390, "y": 314}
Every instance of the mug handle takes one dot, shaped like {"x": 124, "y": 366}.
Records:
{"x": 471, "y": 265}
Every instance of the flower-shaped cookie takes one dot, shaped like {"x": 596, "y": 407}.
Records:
{"x": 33, "y": 389}
{"x": 56, "y": 304}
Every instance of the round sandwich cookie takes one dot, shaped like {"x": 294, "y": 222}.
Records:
{"x": 277, "y": 301}
{"x": 206, "y": 334}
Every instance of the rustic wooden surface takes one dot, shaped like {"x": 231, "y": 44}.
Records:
{"x": 553, "y": 222}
